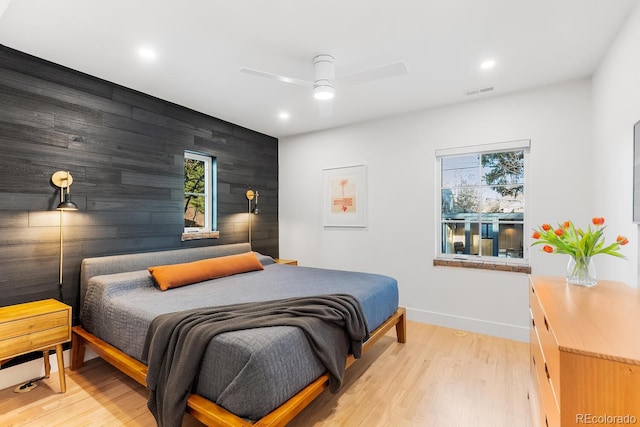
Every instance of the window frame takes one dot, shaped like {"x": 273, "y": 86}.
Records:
{"x": 210, "y": 194}
{"x": 519, "y": 145}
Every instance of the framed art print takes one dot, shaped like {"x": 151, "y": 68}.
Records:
{"x": 345, "y": 192}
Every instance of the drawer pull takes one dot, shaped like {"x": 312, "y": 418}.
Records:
{"x": 546, "y": 421}
{"x": 546, "y": 371}
{"x": 546, "y": 324}
{"x": 533, "y": 322}
{"x": 533, "y": 358}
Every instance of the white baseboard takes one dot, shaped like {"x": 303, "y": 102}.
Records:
{"x": 20, "y": 374}
{"x": 496, "y": 329}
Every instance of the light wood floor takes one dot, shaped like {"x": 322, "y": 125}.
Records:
{"x": 440, "y": 377}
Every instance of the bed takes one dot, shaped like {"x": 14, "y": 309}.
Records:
{"x": 270, "y": 373}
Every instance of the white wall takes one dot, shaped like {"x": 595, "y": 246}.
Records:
{"x": 400, "y": 238}
{"x": 20, "y": 374}
{"x": 616, "y": 107}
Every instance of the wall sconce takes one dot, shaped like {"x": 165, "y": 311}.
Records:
{"x": 250, "y": 196}
{"x": 63, "y": 180}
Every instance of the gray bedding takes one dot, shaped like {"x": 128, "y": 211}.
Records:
{"x": 175, "y": 343}
{"x": 248, "y": 372}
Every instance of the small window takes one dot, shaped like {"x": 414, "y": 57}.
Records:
{"x": 199, "y": 193}
{"x": 482, "y": 202}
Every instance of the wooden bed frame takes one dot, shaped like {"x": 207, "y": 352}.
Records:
{"x": 203, "y": 409}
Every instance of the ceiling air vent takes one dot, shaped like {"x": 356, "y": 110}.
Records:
{"x": 478, "y": 91}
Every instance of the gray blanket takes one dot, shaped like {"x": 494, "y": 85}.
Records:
{"x": 334, "y": 325}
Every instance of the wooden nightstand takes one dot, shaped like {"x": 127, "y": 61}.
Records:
{"x": 286, "y": 261}
{"x": 36, "y": 326}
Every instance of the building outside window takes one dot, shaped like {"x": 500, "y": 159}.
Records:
{"x": 199, "y": 193}
{"x": 482, "y": 201}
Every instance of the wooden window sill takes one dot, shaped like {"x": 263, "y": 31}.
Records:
{"x": 482, "y": 265}
{"x": 197, "y": 236}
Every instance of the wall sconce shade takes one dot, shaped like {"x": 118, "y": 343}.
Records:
{"x": 67, "y": 204}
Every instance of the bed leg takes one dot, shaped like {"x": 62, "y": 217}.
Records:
{"x": 401, "y": 327}
{"x": 77, "y": 351}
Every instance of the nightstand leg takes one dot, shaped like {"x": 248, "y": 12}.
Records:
{"x": 47, "y": 365}
{"x": 63, "y": 383}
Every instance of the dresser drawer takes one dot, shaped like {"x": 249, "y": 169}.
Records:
{"x": 549, "y": 411}
{"x": 537, "y": 410}
{"x": 548, "y": 344}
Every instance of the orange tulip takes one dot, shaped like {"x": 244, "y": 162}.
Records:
{"x": 565, "y": 237}
{"x": 622, "y": 240}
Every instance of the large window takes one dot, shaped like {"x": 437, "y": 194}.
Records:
{"x": 482, "y": 201}
{"x": 199, "y": 193}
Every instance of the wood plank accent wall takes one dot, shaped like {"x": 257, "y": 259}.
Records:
{"x": 125, "y": 152}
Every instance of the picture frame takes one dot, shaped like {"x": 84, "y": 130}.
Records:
{"x": 636, "y": 172}
{"x": 345, "y": 196}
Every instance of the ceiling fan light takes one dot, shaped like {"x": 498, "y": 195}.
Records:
{"x": 323, "y": 92}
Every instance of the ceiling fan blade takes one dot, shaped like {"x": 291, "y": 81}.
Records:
{"x": 275, "y": 76}
{"x": 390, "y": 70}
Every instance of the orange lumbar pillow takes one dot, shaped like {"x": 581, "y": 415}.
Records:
{"x": 175, "y": 275}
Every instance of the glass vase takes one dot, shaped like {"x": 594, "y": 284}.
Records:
{"x": 581, "y": 271}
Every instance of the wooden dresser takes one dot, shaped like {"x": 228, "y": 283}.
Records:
{"x": 585, "y": 353}
{"x": 35, "y": 326}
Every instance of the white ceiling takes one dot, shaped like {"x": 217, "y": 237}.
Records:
{"x": 201, "y": 44}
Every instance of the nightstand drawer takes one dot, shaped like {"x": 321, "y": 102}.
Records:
{"x": 32, "y": 342}
{"x": 34, "y": 324}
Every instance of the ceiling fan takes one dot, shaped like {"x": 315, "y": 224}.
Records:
{"x": 324, "y": 75}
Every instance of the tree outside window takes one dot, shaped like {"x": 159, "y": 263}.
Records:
{"x": 198, "y": 194}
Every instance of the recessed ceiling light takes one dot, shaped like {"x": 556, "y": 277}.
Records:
{"x": 489, "y": 63}
{"x": 147, "y": 53}
{"x": 283, "y": 115}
